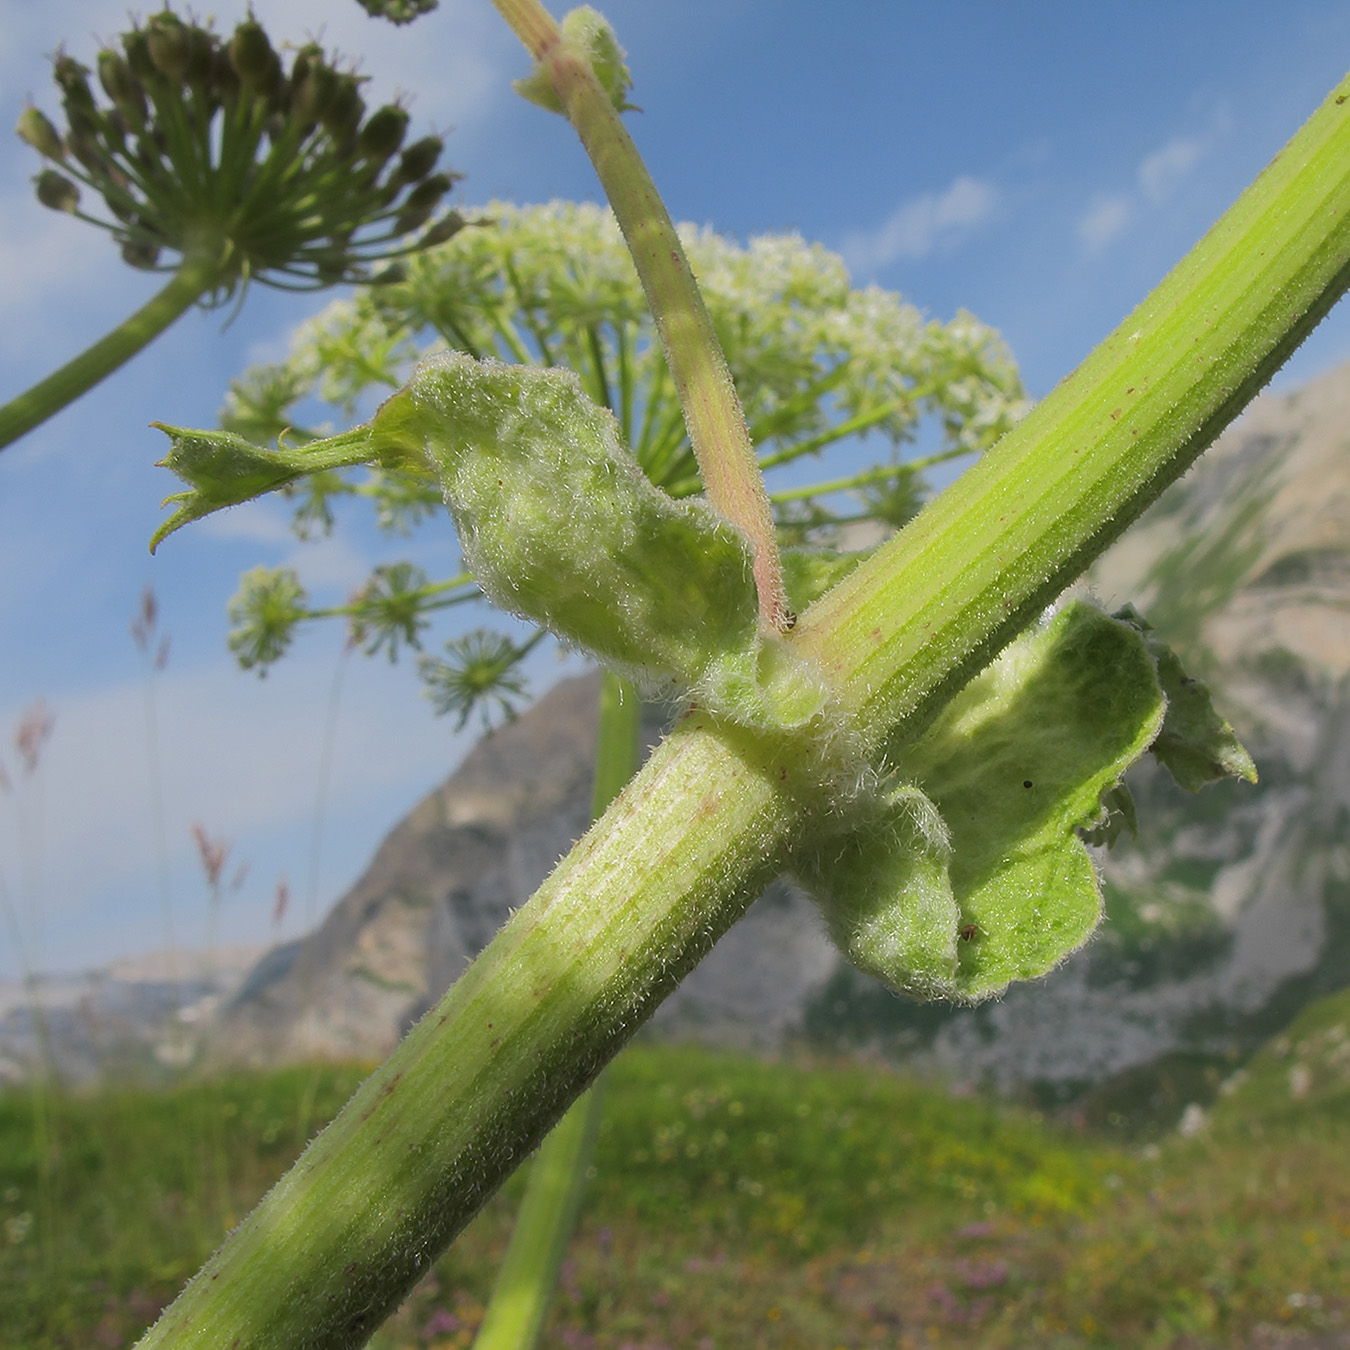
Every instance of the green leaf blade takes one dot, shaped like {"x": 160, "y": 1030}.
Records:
{"x": 1002, "y": 887}
{"x": 559, "y": 525}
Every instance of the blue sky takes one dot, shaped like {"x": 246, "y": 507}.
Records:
{"x": 1041, "y": 165}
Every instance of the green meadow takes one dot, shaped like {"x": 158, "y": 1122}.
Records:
{"x": 741, "y": 1203}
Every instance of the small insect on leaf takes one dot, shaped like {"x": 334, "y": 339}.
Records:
{"x": 970, "y": 931}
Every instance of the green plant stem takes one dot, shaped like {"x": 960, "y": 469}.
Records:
{"x": 717, "y": 812}
{"x": 193, "y": 279}
{"x": 529, "y": 1274}
{"x": 712, "y": 411}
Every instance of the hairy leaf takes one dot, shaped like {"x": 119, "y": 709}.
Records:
{"x": 1196, "y": 745}
{"x": 973, "y": 874}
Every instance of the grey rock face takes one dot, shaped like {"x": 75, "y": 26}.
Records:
{"x": 437, "y": 889}
{"x": 140, "y": 1017}
{"x": 1230, "y": 910}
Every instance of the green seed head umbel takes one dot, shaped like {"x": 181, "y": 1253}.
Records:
{"x": 210, "y": 146}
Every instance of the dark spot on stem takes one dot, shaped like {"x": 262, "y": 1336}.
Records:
{"x": 1026, "y": 782}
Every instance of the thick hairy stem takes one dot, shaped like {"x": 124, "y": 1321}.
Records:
{"x": 712, "y": 411}
{"x": 715, "y": 812}
{"x": 48, "y": 396}
{"x": 526, "y": 1282}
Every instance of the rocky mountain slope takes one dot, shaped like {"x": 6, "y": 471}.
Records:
{"x": 1227, "y": 914}
{"x": 142, "y": 1017}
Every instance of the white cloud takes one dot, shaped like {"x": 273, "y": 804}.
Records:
{"x": 1106, "y": 217}
{"x": 330, "y": 561}
{"x": 1161, "y": 173}
{"x": 252, "y": 522}
{"x": 922, "y": 224}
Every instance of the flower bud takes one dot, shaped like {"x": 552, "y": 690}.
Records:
{"x": 428, "y": 193}
{"x": 56, "y": 191}
{"x": 72, "y": 79}
{"x": 313, "y": 96}
{"x": 345, "y": 109}
{"x": 225, "y": 82}
{"x": 84, "y": 147}
{"x": 114, "y": 74}
{"x": 252, "y": 56}
{"x": 170, "y": 47}
{"x": 445, "y": 228}
{"x": 140, "y": 253}
{"x": 137, "y": 47}
{"x": 419, "y": 159}
{"x": 35, "y": 129}
{"x": 383, "y": 132}
{"x": 115, "y": 130}
{"x": 200, "y": 47}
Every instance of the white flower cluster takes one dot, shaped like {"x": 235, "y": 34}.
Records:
{"x": 815, "y": 361}
{"x": 813, "y": 358}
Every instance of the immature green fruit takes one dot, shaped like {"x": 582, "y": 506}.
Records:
{"x": 56, "y": 191}
{"x": 141, "y": 254}
{"x": 169, "y": 44}
{"x": 398, "y": 11}
{"x": 445, "y": 228}
{"x": 253, "y": 58}
{"x": 72, "y": 78}
{"x": 419, "y": 159}
{"x": 196, "y": 121}
{"x": 34, "y": 128}
{"x": 383, "y": 132}
{"x": 973, "y": 875}
{"x": 123, "y": 88}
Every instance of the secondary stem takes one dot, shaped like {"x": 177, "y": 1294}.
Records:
{"x": 35, "y": 405}
{"x": 712, "y": 411}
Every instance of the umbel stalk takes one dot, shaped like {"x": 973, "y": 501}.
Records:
{"x": 194, "y": 278}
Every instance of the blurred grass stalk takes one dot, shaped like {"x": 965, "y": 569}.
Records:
{"x": 525, "y": 1285}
